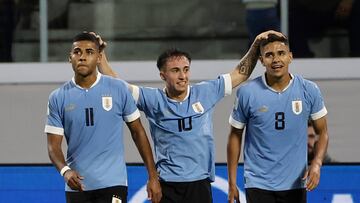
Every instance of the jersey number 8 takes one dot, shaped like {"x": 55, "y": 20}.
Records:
{"x": 279, "y": 120}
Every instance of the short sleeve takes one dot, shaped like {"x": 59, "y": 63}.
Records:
{"x": 238, "y": 116}
{"x": 130, "y": 111}
{"x": 318, "y": 109}
{"x": 54, "y": 123}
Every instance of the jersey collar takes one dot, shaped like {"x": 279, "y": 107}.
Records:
{"x": 173, "y": 100}
{"x": 272, "y": 89}
{"x": 98, "y": 77}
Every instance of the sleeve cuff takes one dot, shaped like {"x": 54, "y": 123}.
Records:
{"x": 228, "y": 84}
{"x": 319, "y": 114}
{"x": 130, "y": 118}
{"x": 236, "y": 124}
{"x": 54, "y": 130}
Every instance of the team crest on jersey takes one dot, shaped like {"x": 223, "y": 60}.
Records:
{"x": 107, "y": 103}
{"x": 297, "y": 107}
{"x": 198, "y": 108}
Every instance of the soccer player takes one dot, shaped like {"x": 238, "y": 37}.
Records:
{"x": 88, "y": 112}
{"x": 275, "y": 108}
{"x": 180, "y": 118}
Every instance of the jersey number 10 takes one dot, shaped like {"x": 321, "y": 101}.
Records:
{"x": 183, "y": 126}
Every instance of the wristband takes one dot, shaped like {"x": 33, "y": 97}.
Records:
{"x": 64, "y": 169}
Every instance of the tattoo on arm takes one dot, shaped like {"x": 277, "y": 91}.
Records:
{"x": 248, "y": 62}
{"x": 242, "y": 69}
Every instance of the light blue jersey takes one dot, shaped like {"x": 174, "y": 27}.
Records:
{"x": 91, "y": 121}
{"x": 182, "y": 132}
{"x": 275, "y": 148}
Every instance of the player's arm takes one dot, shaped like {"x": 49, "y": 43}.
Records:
{"x": 56, "y": 155}
{"x": 142, "y": 143}
{"x": 313, "y": 173}
{"x": 320, "y": 127}
{"x": 247, "y": 64}
{"x": 233, "y": 154}
{"x": 104, "y": 66}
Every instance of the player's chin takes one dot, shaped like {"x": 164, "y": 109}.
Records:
{"x": 82, "y": 69}
{"x": 83, "y": 73}
{"x": 277, "y": 74}
{"x": 181, "y": 88}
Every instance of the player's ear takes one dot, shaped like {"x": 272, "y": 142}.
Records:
{"x": 99, "y": 58}
{"x": 162, "y": 75}
{"x": 69, "y": 58}
{"x": 261, "y": 60}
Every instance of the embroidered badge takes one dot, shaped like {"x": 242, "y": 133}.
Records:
{"x": 198, "y": 108}
{"x": 107, "y": 103}
{"x": 297, "y": 107}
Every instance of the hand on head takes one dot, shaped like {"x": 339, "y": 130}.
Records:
{"x": 265, "y": 35}
{"x": 102, "y": 43}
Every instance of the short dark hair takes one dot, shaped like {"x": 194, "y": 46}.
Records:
{"x": 170, "y": 53}
{"x": 86, "y": 36}
{"x": 274, "y": 38}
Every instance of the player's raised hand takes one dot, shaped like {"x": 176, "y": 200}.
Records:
{"x": 265, "y": 35}
{"x": 102, "y": 43}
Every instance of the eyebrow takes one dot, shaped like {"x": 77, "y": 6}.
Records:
{"x": 180, "y": 67}
{"x": 87, "y": 49}
{"x": 277, "y": 51}
{"x": 268, "y": 52}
